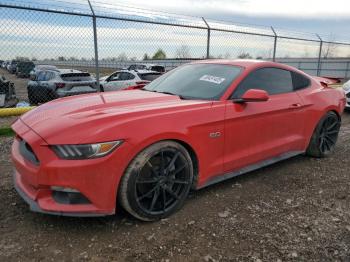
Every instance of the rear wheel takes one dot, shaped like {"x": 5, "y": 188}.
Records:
{"x": 157, "y": 181}
{"x": 33, "y": 100}
{"x": 325, "y": 136}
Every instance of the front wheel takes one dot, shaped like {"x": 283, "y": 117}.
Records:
{"x": 157, "y": 181}
{"x": 325, "y": 136}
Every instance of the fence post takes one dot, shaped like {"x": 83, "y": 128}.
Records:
{"x": 97, "y": 68}
{"x": 319, "y": 56}
{"x": 208, "y": 38}
{"x": 274, "y": 45}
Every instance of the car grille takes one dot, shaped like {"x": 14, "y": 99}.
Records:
{"x": 27, "y": 152}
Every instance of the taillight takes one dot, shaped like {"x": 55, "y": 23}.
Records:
{"x": 60, "y": 85}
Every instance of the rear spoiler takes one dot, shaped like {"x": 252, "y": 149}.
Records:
{"x": 328, "y": 81}
{"x": 82, "y": 74}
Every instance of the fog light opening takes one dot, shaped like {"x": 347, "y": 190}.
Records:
{"x": 68, "y": 196}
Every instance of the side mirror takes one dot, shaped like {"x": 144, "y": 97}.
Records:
{"x": 253, "y": 95}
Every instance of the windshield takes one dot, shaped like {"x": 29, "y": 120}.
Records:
{"x": 196, "y": 81}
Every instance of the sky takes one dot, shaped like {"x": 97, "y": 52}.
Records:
{"x": 48, "y": 35}
{"x": 320, "y": 16}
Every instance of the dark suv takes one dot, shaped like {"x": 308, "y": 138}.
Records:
{"x": 24, "y": 68}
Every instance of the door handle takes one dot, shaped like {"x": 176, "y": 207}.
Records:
{"x": 295, "y": 106}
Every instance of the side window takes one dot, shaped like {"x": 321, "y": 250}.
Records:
{"x": 115, "y": 77}
{"x": 126, "y": 76}
{"x": 300, "y": 81}
{"x": 49, "y": 76}
{"x": 41, "y": 76}
{"x": 130, "y": 76}
{"x": 272, "y": 80}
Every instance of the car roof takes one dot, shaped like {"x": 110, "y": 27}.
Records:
{"x": 139, "y": 71}
{"x": 144, "y": 71}
{"x": 66, "y": 71}
{"x": 45, "y": 66}
{"x": 246, "y": 63}
{"x": 146, "y": 64}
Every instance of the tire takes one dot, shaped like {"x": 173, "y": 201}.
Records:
{"x": 32, "y": 97}
{"x": 325, "y": 136}
{"x": 150, "y": 190}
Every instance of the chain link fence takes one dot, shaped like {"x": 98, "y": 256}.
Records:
{"x": 82, "y": 42}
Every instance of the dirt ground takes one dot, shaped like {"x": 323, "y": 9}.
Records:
{"x": 296, "y": 210}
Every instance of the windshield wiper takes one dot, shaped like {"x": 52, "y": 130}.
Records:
{"x": 166, "y": 93}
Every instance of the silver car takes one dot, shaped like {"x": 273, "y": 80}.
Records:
{"x": 56, "y": 83}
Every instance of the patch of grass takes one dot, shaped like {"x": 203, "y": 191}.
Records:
{"x": 6, "y": 131}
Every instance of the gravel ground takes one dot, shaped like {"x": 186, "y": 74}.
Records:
{"x": 296, "y": 210}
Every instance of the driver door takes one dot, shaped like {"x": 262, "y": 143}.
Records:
{"x": 259, "y": 131}
{"x": 119, "y": 80}
{"x": 113, "y": 82}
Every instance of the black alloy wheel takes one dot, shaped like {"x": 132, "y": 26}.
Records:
{"x": 157, "y": 182}
{"x": 325, "y": 136}
{"x": 329, "y": 134}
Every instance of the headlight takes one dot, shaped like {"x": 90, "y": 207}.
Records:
{"x": 86, "y": 151}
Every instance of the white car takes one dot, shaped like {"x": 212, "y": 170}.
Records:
{"x": 123, "y": 79}
{"x": 149, "y": 67}
{"x": 346, "y": 88}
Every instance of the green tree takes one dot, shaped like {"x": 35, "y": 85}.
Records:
{"x": 160, "y": 54}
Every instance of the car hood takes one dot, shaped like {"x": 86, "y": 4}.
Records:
{"x": 102, "y": 79}
{"x": 85, "y": 118}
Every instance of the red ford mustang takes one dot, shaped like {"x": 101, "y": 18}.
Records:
{"x": 196, "y": 125}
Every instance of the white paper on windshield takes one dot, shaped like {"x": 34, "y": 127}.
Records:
{"x": 213, "y": 79}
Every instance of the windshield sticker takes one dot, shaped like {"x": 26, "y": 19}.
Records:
{"x": 213, "y": 79}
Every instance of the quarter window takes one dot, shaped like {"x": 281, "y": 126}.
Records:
{"x": 300, "y": 81}
{"x": 126, "y": 76}
{"x": 272, "y": 80}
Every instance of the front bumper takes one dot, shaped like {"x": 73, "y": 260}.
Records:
{"x": 35, "y": 207}
{"x": 96, "y": 179}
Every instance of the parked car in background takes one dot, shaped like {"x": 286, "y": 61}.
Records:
{"x": 346, "y": 88}
{"x": 39, "y": 68}
{"x": 4, "y": 64}
{"x": 12, "y": 66}
{"x": 123, "y": 79}
{"x": 52, "y": 84}
{"x": 7, "y": 93}
{"x": 150, "y": 67}
{"x": 197, "y": 125}
{"x": 24, "y": 68}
